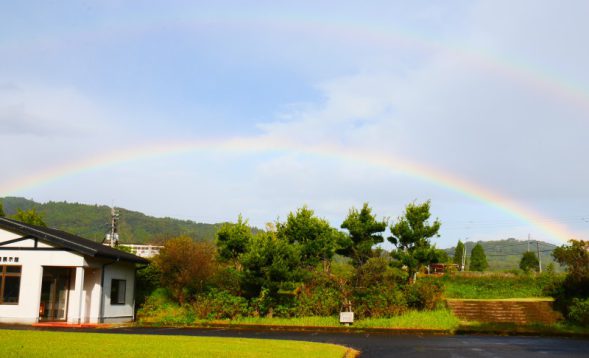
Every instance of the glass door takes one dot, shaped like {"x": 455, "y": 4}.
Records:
{"x": 54, "y": 293}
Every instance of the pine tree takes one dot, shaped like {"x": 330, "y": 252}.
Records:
{"x": 478, "y": 259}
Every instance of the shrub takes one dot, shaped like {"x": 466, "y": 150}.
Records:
{"x": 424, "y": 294}
{"x": 217, "y": 304}
{"x": 159, "y": 308}
{"x": 379, "y": 302}
{"x": 579, "y": 311}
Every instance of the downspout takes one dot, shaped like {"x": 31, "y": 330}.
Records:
{"x": 101, "y": 314}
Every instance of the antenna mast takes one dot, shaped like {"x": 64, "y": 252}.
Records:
{"x": 112, "y": 238}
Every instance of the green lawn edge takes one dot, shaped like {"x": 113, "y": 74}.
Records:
{"x": 30, "y": 343}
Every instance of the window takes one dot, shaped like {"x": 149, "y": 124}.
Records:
{"x": 9, "y": 284}
{"x": 118, "y": 290}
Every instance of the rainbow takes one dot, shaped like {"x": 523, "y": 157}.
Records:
{"x": 264, "y": 144}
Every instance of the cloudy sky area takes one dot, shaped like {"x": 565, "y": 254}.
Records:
{"x": 492, "y": 93}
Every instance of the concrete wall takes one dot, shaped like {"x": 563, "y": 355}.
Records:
{"x": 124, "y": 312}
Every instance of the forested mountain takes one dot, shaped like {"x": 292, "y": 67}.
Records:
{"x": 93, "y": 221}
{"x": 506, "y": 254}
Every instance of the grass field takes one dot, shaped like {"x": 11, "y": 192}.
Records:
{"x": 15, "y": 343}
{"x": 494, "y": 286}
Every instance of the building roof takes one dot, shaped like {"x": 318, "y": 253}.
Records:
{"x": 69, "y": 241}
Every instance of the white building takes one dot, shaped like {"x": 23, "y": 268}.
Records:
{"x": 47, "y": 275}
{"x": 147, "y": 251}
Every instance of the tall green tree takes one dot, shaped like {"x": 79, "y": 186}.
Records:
{"x": 478, "y": 259}
{"x": 365, "y": 231}
{"x": 270, "y": 263}
{"x": 411, "y": 235}
{"x": 315, "y": 237}
{"x": 31, "y": 216}
{"x": 575, "y": 257}
{"x": 529, "y": 262}
{"x": 232, "y": 240}
{"x": 459, "y": 254}
{"x": 2, "y": 214}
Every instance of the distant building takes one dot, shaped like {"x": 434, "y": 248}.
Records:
{"x": 48, "y": 275}
{"x": 146, "y": 251}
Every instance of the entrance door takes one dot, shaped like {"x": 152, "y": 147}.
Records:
{"x": 54, "y": 293}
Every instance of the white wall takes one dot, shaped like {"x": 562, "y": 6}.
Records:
{"x": 32, "y": 262}
{"x": 120, "y": 271}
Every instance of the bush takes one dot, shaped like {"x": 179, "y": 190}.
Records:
{"x": 159, "y": 308}
{"x": 217, "y": 304}
{"x": 323, "y": 296}
{"x": 579, "y": 311}
{"x": 379, "y": 302}
{"x": 424, "y": 294}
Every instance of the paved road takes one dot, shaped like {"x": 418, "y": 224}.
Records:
{"x": 378, "y": 345}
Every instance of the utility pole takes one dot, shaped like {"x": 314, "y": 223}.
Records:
{"x": 539, "y": 258}
{"x": 528, "y": 242}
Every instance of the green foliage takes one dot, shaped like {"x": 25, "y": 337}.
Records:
{"x": 411, "y": 236}
{"x": 232, "y": 241}
{"x": 316, "y": 239}
{"x": 474, "y": 285}
{"x": 2, "y": 214}
{"x": 478, "y": 259}
{"x": 217, "y": 304}
{"x": 271, "y": 263}
{"x": 147, "y": 281}
{"x": 322, "y": 296}
{"x": 30, "y": 216}
{"x": 575, "y": 286}
{"x": 364, "y": 232}
{"x": 529, "y": 262}
{"x": 378, "y": 289}
{"x": 425, "y": 294}
{"x": 579, "y": 311}
{"x": 459, "y": 254}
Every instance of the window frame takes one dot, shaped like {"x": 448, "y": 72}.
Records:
{"x": 116, "y": 282}
{"x": 3, "y": 275}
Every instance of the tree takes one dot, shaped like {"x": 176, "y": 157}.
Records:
{"x": 31, "y": 217}
{"x": 316, "y": 238}
{"x": 459, "y": 255}
{"x": 364, "y": 232}
{"x": 529, "y": 261}
{"x": 411, "y": 236}
{"x": 270, "y": 263}
{"x": 185, "y": 266}
{"x": 232, "y": 241}
{"x": 572, "y": 298}
{"x": 478, "y": 259}
{"x": 2, "y": 214}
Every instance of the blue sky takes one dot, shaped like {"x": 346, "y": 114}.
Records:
{"x": 494, "y": 92}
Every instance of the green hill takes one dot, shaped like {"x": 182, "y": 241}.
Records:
{"x": 93, "y": 221}
{"x": 506, "y": 254}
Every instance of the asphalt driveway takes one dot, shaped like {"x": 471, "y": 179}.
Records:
{"x": 381, "y": 345}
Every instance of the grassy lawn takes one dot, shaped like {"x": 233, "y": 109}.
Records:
{"x": 494, "y": 286}
{"x": 438, "y": 319}
{"x": 70, "y": 344}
